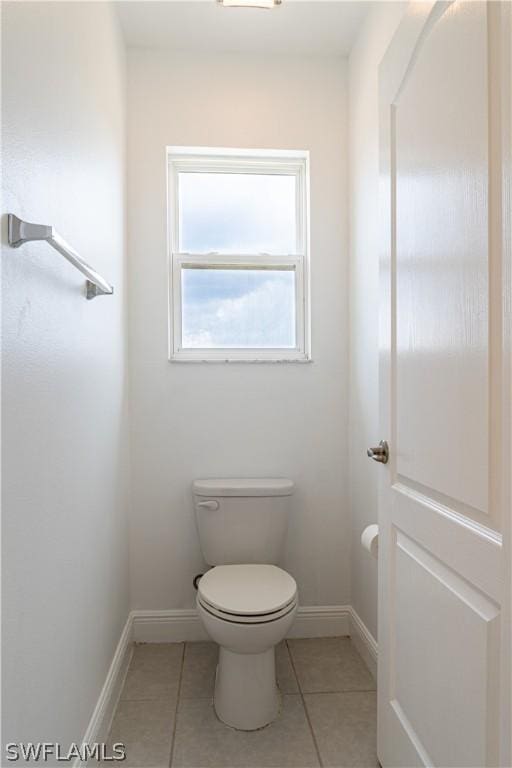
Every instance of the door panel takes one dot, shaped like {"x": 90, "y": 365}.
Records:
{"x": 441, "y": 150}
{"x": 447, "y": 712}
{"x": 442, "y": 406}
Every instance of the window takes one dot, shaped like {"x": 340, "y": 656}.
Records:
{"x": 238, "y": 231}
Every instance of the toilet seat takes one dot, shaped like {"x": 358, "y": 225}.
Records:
{"x": 248, "y": 594}
{"x": 261, "y": 618}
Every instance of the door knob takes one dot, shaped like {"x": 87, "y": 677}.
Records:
{"x": 380, "y": 452}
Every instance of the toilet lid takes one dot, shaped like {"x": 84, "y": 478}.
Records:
{"x": 247, "y": 590}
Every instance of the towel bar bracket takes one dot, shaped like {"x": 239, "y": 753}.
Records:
{"x": 92, "y": 290}
{"x": 20, "y": 232}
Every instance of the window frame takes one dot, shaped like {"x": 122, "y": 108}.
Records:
{"x": 204, "y": 160}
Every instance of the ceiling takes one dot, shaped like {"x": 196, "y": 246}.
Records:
{"x": 303, "y": 27}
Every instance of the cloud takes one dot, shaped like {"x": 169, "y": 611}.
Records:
{"x": 237, "y": 213}
{"x": 263, "y": 315}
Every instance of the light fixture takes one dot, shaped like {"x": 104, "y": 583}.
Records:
{"x": 249, "y": 3}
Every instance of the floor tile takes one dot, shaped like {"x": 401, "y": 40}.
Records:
{"x": 200, "y": 663}
{"x": 202, "y": 741}
{"x": 199, "y": 667}
{"x": 145, "y": 728}
{"x": 345, "y": 726}
{"x": 154, "y": 672}
{"x": 329, "y": 664}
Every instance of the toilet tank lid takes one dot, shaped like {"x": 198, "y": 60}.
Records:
{"x": 243, "y": 486}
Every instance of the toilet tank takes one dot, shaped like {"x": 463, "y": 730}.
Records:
{"x": 242, "y": 520}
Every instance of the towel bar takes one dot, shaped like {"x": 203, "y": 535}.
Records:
{"x": 20, "y": 232}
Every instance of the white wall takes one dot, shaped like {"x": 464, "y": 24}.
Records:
{"x": 193, "y": 420}
{"x": 367, "y": 52}
{"x": 65, "y": 583}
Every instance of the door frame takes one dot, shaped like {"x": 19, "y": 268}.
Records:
{"x": 415, "y": 24}
{"x": 503, "y": 17}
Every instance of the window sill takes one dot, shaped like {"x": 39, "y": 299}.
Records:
{"x": 245, "y": 361}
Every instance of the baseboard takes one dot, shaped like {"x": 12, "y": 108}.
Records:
{"x": 321, "y": 621}
{"x": 173, "y": 626}
{"x": 101, "y": 720}
{"x": 364, "y": 641}
{"x": 178, "y": 625}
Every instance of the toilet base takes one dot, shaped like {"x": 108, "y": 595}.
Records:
{"x": 246, "y": 694}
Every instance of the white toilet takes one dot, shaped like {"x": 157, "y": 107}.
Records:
{"x": 246, "y": 603}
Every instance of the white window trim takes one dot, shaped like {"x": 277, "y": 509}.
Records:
{"x": 200, "y": 159}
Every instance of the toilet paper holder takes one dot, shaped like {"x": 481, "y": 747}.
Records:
{"x": 370, "y": 539}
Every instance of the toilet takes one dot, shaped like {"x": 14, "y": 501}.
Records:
{"x": 246, "y": 602}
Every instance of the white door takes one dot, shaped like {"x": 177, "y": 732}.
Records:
{"x": 444, "y": 404}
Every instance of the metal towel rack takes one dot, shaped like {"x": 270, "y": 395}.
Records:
{"x": 20, "y": 232}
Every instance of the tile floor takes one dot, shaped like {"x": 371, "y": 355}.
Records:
{"x": 165, "y": 715}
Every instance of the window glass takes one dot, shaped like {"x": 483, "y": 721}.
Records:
{"x": 238, "y": 308}
{"x": 237, "y": 213}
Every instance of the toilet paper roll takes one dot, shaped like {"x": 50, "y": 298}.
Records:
{"x": 370, "y": 539}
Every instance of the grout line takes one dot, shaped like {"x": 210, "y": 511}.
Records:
{"x": 142, "y": 701}
{"x": 320, "y": 762}
{"x": 337, "y": 692}
{"x": 178, "y": 696}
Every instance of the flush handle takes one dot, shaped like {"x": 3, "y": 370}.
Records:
{"x": 379, "y": 453}
{"x": 212, "y": 504}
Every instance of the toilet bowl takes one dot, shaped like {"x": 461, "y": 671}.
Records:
{"x": 247, "y": 609}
